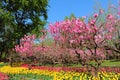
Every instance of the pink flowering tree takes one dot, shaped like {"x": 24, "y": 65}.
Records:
{"x": 25, "y": 48}
{"x": 42, "y": 54}
{"x": 87, "y": 39}
{"x": 115, "y": 43}
{"x": 29, "y": 51}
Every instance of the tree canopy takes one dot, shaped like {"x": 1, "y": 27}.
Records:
{"x": 20, "y": 17}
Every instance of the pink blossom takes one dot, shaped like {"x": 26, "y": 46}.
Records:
{"x": 108, "y": 37}
{"x": 92, "y": 22}
{"x": 81, "y": 37}
{"x": 71, "y": 41}
{"x": 118, "y": 13}
{"x": 96, "y": 15}
{"x": 110, "y": 16}
{"x": 83, "y": 17}
{"x": 101, "y": 11}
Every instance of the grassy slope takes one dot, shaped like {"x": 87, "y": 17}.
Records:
{"x": 106, "y": 63}
{"x": 111, "y": 63}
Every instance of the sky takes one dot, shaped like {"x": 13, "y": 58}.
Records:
{"x": 58, "y": 9}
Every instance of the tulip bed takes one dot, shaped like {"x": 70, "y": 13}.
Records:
{"x": 56, "y": 73}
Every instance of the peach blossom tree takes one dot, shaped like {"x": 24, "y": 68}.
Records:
{"x": 86, "y": 38}
{"x": 42, "y": 54}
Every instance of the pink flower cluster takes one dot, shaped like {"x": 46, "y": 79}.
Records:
{"x": 27, "y": 47}
{"x": 87, "y": 38}
{"x": 76, "y": 30}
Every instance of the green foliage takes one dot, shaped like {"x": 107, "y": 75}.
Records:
{"x": 3, "y": 64}
{"x": 48, "y": 42}
{"x": 29, "y": 77}
{"x": 70, "y": 17}
{"x": 20, "y": 17}
{"x": 111, "y": 63}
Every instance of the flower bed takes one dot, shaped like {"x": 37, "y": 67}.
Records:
{"x": 58, "y": 73}
{"x": 73, "y": 69}
{"x": 3, "y": 76}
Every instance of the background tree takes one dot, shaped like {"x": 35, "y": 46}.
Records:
{"x": 20, "y": 17}
{"x": 70, "y": 17}
{"x": 115, "y": 43}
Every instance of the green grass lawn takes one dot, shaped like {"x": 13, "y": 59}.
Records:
{"x": 106, "y": 63}
{"x": 29, "y": 77}
{"x": 111, "y": 63}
